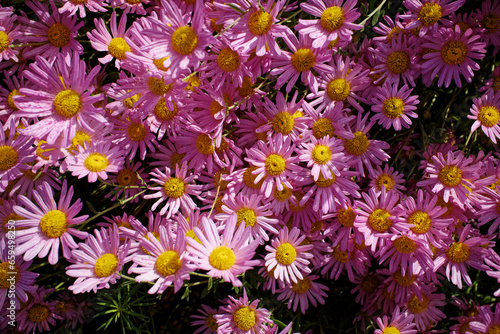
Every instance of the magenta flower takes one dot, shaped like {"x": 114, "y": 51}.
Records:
{"x": 303, "y": 292}
{"x": 486, "y": 113}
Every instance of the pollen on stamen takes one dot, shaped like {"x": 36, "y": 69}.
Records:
{"x": 222, "y": 258}
{"x": 286, "y": 254}
{"x": 4, "y": 41}
{"x": 96, "y": 162}
{"x": 174, "y": 187}
{"x": 184, "y": 40}
{"x": 358, "y": 145}
{"x": 332, "y": 18}
{"x": 106, "y": 265}
{"x": 275, "y": 164}
{"x": 168, "y": 263}
{"x": 488, "y": 116}
{"x": 8, "y": 157}
{"x": 338, "y": 89}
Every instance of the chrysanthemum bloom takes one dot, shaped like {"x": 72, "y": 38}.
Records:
{"x": 9, "y": 34}
{"x": 115, "y": 44}
{"x": 242, "y": 317}
{"x": 352, "y": 260}
{"x": 287, "y": 257}
{"x": 47, "y": 224}
{"x": 488, "y": 211}
{"x": 331, "y": 122}
{"x": 487, "y": 321}
{"x": 387, "y": 177}
{"x": 62, "y": 104}
{"x": 38, "y": 315}
{"x": 401, "y": 323}
{"x": 393, "y": 28}
{"x": 223, "y": 256}
{"x": 489, "y": 18}
{"x": 176, "y": 190}
{"x": 96, "y": 262}
{"x": 129, "y": 178}
{"x": 31, "y": 179}
{"x": 73, "y": 6}
{"x": 401, "y": 287}
{"x": 206, "y": 320}
{"x": 53, "y": 32}
{"x": 451, "y": 56}
{"x": 165, "y": 263}
{"x": 425, "y": 15}
{"x": 71, "y": 310}
{"x": 303, "y": 292}
{"x": 459, "y": 255}
{"x": 393, "y": 106}
{"x": 131, "y": 6}
{"x": 335, "y": 23}
{"x": 15, "y": 272}
{"x": 486, "y": 113}
{"x": 132, "y": 134}
{"x": 324, "y": 157}
{"x": 425, "y": 310}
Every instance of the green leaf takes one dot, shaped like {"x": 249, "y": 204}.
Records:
{"x": 235, "y": 7}
{"x": 91, "y": 207}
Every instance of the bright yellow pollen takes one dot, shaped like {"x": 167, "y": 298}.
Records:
{"x": 332, "y": 18}
{"x": 259, "y": 22}
{"x": 136, "y": 132}
{"x": 4, "y": 41}
{"x": 130, "y": 101}
{"x": 174, "y": 187}
{"x": 450, "y": 176}
{"x": 106, "y": 265}
{"x": 416, "y": 306}
{"x": 275, "y": 164}
{"x": 163, "y": 113}
{"x": 249, "y": 178}
{"x": 323, "y": 127}
{"x": 39, "y": 151}
{"x": 193, "y": 81}
{"x": 398, "y": 62}
{"x": 458, "y": 252}
{"x": 346, "y": 217}
{"x": 244, "y": 318}
{"x": 53, "y": 224}
{"x": 338, "y": 89}
{"x": 96, "y": 162}
{"x": 488, "y": 116}
{"x": 385, "y": 180}
{"x": 204, "y": 144}
{"x": 184, "y": 40}
{"x": 228, "y": 60}
{"x": 168, "y": 263}
{"x": 117, "y": 48}
{"x": 282, "y": 195}
{"x": 430, "y": 13}
{"x": 222, "y": 258}
{"x": 421, "y": 220}
{"x": 393, "y": 107}
{"x": 10, "y": 98}
{"x": 454, "y": 52}
{"x": 405, "y": 245}
{"x": 4, "y": 268}
{"x": 358, "y": 145}
{"x": 303, "y": 60}
{"x": 58, "y": 35}
{"x": 67, "y": 103}
{"x": 324, "y": 183}
{"x": 127, "y": 177}
{"x": 286, "y": 254}
{"x": 321, "y": 154}
{"x": 38, "y": 313}
{"x": 157, "y": 86}
{"x": 283, "y": 122}
{"x": 8, "y": 157}
{"x": 406, "y": 280}
{"x": 491, "y": 23}
{"x": 159, "y": 63}
{"x": 302, "y": 286}
{"x": 379, "y": 220}
{"x": 133, "y": 2}
{"x": 495, "y": 329}
{"x": 248, "y": 215}
{"x": 78, "y": 140}
{"x": 390, "y": 330}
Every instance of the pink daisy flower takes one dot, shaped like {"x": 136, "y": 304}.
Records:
{"x": 129, "y": 180}
{"x": 486, "y": 113}
{"x": 223, "y": 256}
{"x": 303, "y": 292}
{"x": 387, "y": 178}
{"x": 13, "y": 267}
{"x": 31, "y": 179}
{"x": 487, "y": 320}
{"x": 425, "y": 310}
{"x": 165, "y": 263}
{"x": 97, "y": 261}
{"x": 131, "y": 6}
{"x": 73, "y": 6}
{"x": 324, "y": 157}
{"x": 206, "y": 320}
{"x": 8, "y": 35}
{"x": 489, "y": 18}
{"x": 39, "y": 315}
{"x": 351, "y": 260}
{"x": 132, "y": 134}
{"x": 401, "y": 323}
{"x": 489, "y": 210}
{"x": 335, "y": 23}
{"x": 48, "y": 224}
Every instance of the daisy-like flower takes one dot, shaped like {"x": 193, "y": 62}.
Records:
{"x": 206, "y": 320}
{"x": 96, "y": 160}
{"x": 132, "y": 134}
{"x": 48, "y": 224}
{"x": 425, "y": 310}
{"x": 115, "y": 44}
{"x": 351, "y": 260}
{"x": 388, "y": 178}
{"x": 8, "y": 34}
{"x": 63, "y": 104}
{"x": 303, "y": 292}
{"x": 240, "y": 316}
{"x": 393, "y": 106}
{"x": 489, "y": 18}
{"x": 97, "y": 261}
{"x": 223, "y": 256}
{"x": 165, "y": 262}
{"x": 13, "y": 270}
{"x": 287, "y": 258}
{"x": 488, "y": 211}
{"x": 452, "y": 55}
{"x": 131, "y": 6}
{"x": 401, "y": 323}
{"x": 487, "y": 320}
{"x": 38, "y": 315}
{"x": 31, "y": 179}
{"x": 325, "y": 157}
{"x": 336, "y": 21}
{"x": 73, "y": 6}
{"x": 129, "y": 178}
{"x": 486, "y": 113}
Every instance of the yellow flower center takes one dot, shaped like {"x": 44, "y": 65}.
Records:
{"x": 338, "y": 89}
{"x": 398, "y": 62}
{"x": 323, "y": 127}
{"x": 454, "y": 52}
{"x": 495, "y": 329}
{"x": 4, "y": 41}
{"x": 303, "y": 60}
{"x": 53, "y": 224}
{"x": 379, "y": 220}
{"x": 163, "y": 113}
{"x": 193, "y": 81}
{"x": 39, "y": 151}
{"x": 458, "y": 252}
{"x": 216, "y": 27}
{"x": 4, "y": 268}
{"x": 488, "y": 116}
{"x": 324, "y": 183}
{"x": 38, "y": 313}
{"x": 358, "y": 145}
{"x": 222, "y": 258}
{"x": 174, "y": 187}
{"x": 159, "y": 63}
{"x": 421, "y": 220}
{"x": 450, "y": 176}
{"x": 282, "y": 195}
{"x": 321, "y": 154}
{"x": 340, "y": 256}
{"x": 286, "y": 254}
{"x": 78, "y": 2}
{"x": 204, "y": 144}
{"x": 127, "y": 177}
{"x": 405, "y": 245}
{"x": 394, "y": 31}
{"x": 406, "y": 280}
{"x": 96, "y": 162}
{"x": 168, "y": 263}
{"x": 8, "y": 157}
{"x": 283, "y": 123}
{"x": 212, "y": 323}
{"x": 346, "y": 217}
{"x": 275, "y": 164}
{"x": 496, "y": 84}
{"x": 416, "y": 306}
{"x": 246, "y": 88}
{"x": 332, "y": 18}
{"x": 302, "y": 285}
{"x": 67, "y": 103}
{"x": 106, "y": 265}
{"x": 228, "y": 60}
{"x": 218, "y": 181}
{"x": 184, "y": 40}
{"x": 430, "y": 13}
{"x": 157, "y": 86}
{"x": 259, "y": 22}
{"x": 248, "y": 215}
{"x": 385, "y": 180}
{"x": 244, "y": 318}
{"x": 317, "y": 226}
{"x": 369, "y": 283}
{"x": 491, "y": 23}
{"x": 177, "y": 158}
{"x": 133, "y": 2}
{"x": 117, "y": 48}
{"x": 249, "y": 178}
{"x": 10, "y": 98}
{"x": 78, "y": 140}
{"x": 130, "y": 101}
{"x": 390, "y": 330}
{"x": 393, "y": 107}
{"x": 136, "y": 132}
{"x": 58, "y": 35}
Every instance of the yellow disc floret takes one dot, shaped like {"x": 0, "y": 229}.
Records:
{"x": 184, "y": 40}
{"x": 54, "y": 223}
{"x": 106, "y": 265}
{"x": 385, "y": 180}
{"x": 302, "y": 285}
{"x": 406, "y": 280}
{"x": 244, "y": 318}
{"x": 127, "y": 177}
{"x": 4, "y": 41}
{"x": 259, "y": 22}
{"x": 163, "y": 113}
{"x": 117, "y": 48}
{"x": 283, "y": 123}
{"x": 358, "y": 145}
{"x": 157, "y": 86}
{"x": 228, "y": 60}
{"x": 136, "y": 132}
{"x": 379, "y": 220}
{"x": 346, "y": 217}
{"x": 67, "y": 103}
{"x": 96, "y": 162}
{"x": 393, "y": 107}
{"x": 249, "y": 178}
{"x": 398, "y": 62}
{"x": 321, "y": 154}
{"x": 204, "y": 144}
{"x": 430, "y": 13}
{"x": 38, "y": 313}
{"x": 454, "y": 52}
{"x": 58, "y": 35}
{"x": 458, "y": 252}
{"x": 332, "y": 18}
{"x": 10, "y": 99}
{"x": 488, "y": 116}
{"x": 450, "y": 176}
{"x": 405, "y": 245}
{"x": 168, "y": 263}
{"x": 286, "y": 254}
{"x": 174, "y": 187}
{"x": 421, "y": 220}
{"x": 13, "y": 273}
{"x": 491, "y": 23}
{"x": 338, "y": 89}
{"x": 303, "y": 59}
{"x": 248, "y": 215}
{"x": 8, "y": 157}
{"x": 391, "y": 330}
{"x": 416, "y": 306}
{"x": 275, "y": 164}
{"x": 222, "y": 258}
{"x": 323, "y": 127}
